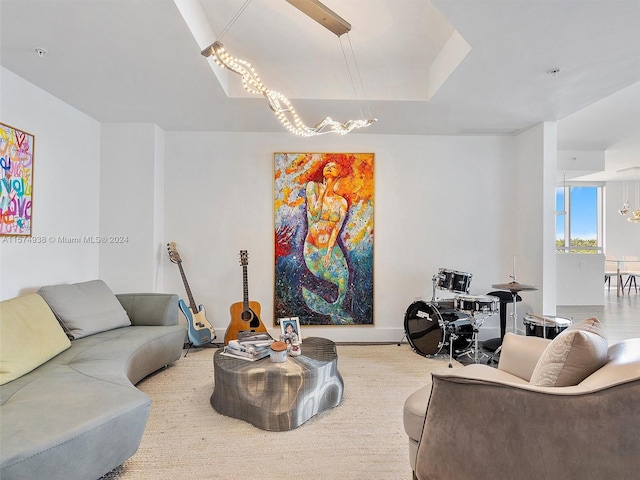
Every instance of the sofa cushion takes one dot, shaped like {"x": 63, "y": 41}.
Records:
{"x": 29, "y": 336}
{"x": 572, "y": 356}
{"x": 85, "y": 308}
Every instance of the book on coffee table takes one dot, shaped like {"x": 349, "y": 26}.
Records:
{"x": 254, "y": 338}
{"x": 244, "y": 355}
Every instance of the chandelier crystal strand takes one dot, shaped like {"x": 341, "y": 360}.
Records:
{"x": 279, "y": 104}
{"x": 625, "y": 199}
{"x": 635, "y": 217}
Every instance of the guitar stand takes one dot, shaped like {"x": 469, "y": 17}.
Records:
{"x": 190, "y": 345}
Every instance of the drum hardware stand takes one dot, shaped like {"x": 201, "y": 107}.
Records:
{"x": 434, "y": 281}
{"x": 476, "y": 329}
{"x": 452, "y": 338}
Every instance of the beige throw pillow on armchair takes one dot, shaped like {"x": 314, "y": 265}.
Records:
{"x": 572, "y": 356}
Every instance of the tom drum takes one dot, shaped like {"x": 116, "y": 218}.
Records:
{"x": 453, "y": 280}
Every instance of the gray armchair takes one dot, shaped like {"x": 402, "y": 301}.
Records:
{"x": 482, "y": 422}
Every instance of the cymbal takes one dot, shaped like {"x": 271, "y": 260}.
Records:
{"x": 513, "y": 286}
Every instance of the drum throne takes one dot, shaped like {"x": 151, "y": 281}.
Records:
{"x": 505, "y": 299}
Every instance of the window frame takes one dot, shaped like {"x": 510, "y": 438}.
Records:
{"x": 600, "y": 195}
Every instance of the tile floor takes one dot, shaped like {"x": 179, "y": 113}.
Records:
{"x": 619, "y": 315}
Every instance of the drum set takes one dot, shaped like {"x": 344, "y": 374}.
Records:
{"x": 430, "y": 327}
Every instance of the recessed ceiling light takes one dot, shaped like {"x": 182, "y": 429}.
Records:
{"x": 40, "y": 51}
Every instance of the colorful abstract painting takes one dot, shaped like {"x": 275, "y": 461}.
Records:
{"x": 323, "y": 206}
{"x": 16, "y": 163}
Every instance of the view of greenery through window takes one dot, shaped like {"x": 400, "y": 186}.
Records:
{"x": 588, "y": 246}
{"x": 577, "y": 229}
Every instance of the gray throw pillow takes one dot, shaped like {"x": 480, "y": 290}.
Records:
{"x": 572, "y": 356}
{"x": 85, "y": 308}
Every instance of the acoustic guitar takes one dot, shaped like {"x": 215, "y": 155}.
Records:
{"x": 199, "y": 329}
{"x": 245, "y": 315}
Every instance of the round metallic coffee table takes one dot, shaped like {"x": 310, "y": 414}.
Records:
{"x": 278, "y": 396}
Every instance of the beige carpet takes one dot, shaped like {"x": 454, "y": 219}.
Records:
{"x": 362, "y": 438}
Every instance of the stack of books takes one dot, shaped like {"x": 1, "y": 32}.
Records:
{"x": 249, "y": 346}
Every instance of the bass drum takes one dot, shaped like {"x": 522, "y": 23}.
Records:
{"x": 428, "y": 328}
{"x": 423, "y": 326}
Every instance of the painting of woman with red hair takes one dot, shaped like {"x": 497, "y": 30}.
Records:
{"x": 324, "y": 238}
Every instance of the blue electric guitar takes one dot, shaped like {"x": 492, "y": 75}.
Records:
{"x": 200, "y": 330}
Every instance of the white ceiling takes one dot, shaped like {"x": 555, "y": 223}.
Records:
{"x": 137, "y": 61}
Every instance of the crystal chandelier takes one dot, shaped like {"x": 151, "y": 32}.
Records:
{"x": 279, "y": 104}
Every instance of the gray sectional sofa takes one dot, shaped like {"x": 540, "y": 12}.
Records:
{"x": 70, "y": 356}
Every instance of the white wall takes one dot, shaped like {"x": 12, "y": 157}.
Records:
{"x": 533, "y": 232}
{"x": 439, "y": 202}
{"x": 65, "y": 191}
{"x": 580, "y": 279}
{"x": 132, "y": 176}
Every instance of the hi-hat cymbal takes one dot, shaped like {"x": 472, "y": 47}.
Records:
{"x": 513, "y": 286}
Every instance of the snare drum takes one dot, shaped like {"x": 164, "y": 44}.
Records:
{"x": 476, "y": 303}
{"x": 545, "y": 327}
{"x": 453, "y": 280}
{"x": 426, "y": 326}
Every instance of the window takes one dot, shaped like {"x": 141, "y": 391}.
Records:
{"x": 579, "y": 219}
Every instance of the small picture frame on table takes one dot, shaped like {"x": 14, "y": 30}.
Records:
{"x": 290, "y": 330}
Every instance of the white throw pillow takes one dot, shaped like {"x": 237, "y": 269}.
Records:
{"x": 572, "y": 356}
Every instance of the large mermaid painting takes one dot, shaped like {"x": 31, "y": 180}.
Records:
{"x": 324, "y": 238}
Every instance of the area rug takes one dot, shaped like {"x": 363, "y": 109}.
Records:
{"x": 362, "y": 438}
